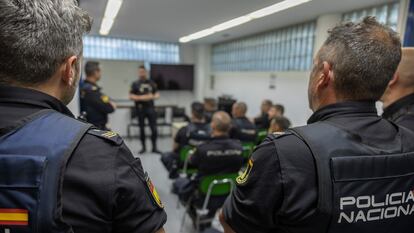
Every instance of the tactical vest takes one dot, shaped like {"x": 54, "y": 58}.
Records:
{"x": 33, "y": 159}
{"x": 361, "y": 187}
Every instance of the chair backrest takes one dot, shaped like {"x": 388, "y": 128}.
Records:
{"x": 219, "y": 184}
{"x": 248, "y": 148}
{"x": 185, "y": 152}
{"x": 261, "y": 135}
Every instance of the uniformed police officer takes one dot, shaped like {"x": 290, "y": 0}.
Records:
{"x": 348, "y": 170}
{"x": 194, "y": 134}
{"x": 241, "y": 128}
{"x": 262, "y": 121}
{"x": 220, "y": 155}
{"x": 398, "y": 98}
{"x": 144, "y": 91}
{"x": 93, "y": 102}
{"x": 98, "y": 186}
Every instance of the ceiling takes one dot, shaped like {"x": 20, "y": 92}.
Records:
{"x": 168, "y": 20}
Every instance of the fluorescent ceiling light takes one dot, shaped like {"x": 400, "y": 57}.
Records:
{"x": 106, "y": 26}
{"x": 111, "y": 11}
{"x": 284, "y": 5}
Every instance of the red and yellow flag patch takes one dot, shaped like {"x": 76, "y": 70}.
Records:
{"x": 154, "y": 193}
{"x": 14, "y": 217}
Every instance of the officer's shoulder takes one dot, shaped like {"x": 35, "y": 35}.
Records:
{"x": 89, "y": 87}
{"x": 107, "y": 136}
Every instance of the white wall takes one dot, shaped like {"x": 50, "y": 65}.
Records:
{"x": 252, "y": 87}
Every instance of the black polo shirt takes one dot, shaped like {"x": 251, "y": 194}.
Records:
{"x": 273, "y": 197}
{"x": 144, "y": 87}
{"x": 401, "y": 112}
{"x": 103, "y": 188}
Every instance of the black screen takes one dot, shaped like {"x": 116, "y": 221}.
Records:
{"x": 173, "y": 77}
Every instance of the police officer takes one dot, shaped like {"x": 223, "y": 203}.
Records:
{"x": 194, "y": 134}
{"x": 93, "y": 102}
{"x": 398, "y": 98}
{"x": 262, "y": 121}
{"x": 242, "y": 128}
{"x": 221, "y": 155}
{"x": 348, "y": 170}
{"x": 144, "y": 92}
{"x": 59, "y": 174}
{"x": 279, "y": 124}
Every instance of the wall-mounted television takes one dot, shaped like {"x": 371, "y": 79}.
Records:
{"x": 173, "y": 77}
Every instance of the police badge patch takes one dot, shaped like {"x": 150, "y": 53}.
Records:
{"x": 243, "y": 177}
{"x": 154, "y": 194}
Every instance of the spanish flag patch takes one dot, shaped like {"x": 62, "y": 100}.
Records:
{"x": 154, "y": 194}
{"x": 14, "y": 217}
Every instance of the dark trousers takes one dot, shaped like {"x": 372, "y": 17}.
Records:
{"x": 151, "y": 115}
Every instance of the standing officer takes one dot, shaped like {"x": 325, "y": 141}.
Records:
{"x": 58, "y": 174}
{"x": 398, "y": 98}
{"x": 241, "y": 127}
{"x": 93, "y": 102}
{"x": 348, "y": 170}
{"x": 144, "y": 92}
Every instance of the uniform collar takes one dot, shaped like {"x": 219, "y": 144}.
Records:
{"x": 26, "y": 96}
{"x": 93, "y": 84}
{"x": 351, "y": 108}
{"x": 398, "y": 105}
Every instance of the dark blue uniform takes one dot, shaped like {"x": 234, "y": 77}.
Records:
{"x": 243, "y": 129}
{"x": 401, "y": 112}
{"x": 95, "y": 104}
{"x": 104, "y": 186}
{"x": 145, "y": 109}
{"x": 337, "y": 174}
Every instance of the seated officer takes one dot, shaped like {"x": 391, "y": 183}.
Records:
{"x": 75, "y": 178}
{"x": 210, "y": 107}
{"x": 279, "y": 124}
{"x": 194, "y": 134}
{"x": 348, "y": 170}
{"x": 262, "y": 121}
{"x": 221, "y": 155}
{"x": 241, "y": 127}
{"x": 398, "y": 98}
{"x": 93, "y": 102}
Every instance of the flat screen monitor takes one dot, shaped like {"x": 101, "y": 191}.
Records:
{"x": 173, "y": 77}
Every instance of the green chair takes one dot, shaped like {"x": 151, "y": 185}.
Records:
{"x": 261, "y": 135}
{"x": 185, "y": 154}
{"x": 248, "y": 148}
{"x": 210, "y": 186}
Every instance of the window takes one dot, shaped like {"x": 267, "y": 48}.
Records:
{"x": 96, "y": 47}
{"x": 281, "y": 50}
{"x": 386, "y": 14}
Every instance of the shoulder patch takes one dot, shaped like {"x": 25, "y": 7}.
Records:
{"x": 243, "y": 177}
{"x": 153, "y": 191}
{"x": 107, "y": 135}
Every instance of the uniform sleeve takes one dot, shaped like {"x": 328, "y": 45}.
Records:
{"x": 252, "y": 206}
{"x": 154, "y": 87}
{"x": 180, "y": 136}
{"x": 196, "y": 157}
{"x": 100, "y": 102}
{"x": 133, "y": 89}
{"x": 136, "y": 210}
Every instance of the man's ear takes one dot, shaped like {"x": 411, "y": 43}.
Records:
{"x": 69, "y": 70}
{"x": 394, "y": 80}
{"x": 326, "y": 75}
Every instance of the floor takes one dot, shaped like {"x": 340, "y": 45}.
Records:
{"x": 152, "y": 164}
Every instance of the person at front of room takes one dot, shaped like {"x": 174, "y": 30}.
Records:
{"x": 144, "y": 91}
{"x": 398, "y": 98}
{"x": 338, "y": 173}
{"x": 221, "y": 155}
{"x": 194, "y": 134}
{"x": 58, "y": 174}
{"x": 241, "y": 127}
{"x": 93, "y": 102}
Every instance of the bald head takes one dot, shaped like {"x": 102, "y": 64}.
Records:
{"x": 402, "y": 83}
{"x": 221, "y": 123}
{"x": 239, "y": 109}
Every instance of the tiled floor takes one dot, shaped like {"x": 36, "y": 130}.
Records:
{"x": 151, "y": 163}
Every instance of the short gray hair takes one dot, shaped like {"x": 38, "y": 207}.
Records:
{"x": 364, "y": 57}
{"x": 36, "y": 36}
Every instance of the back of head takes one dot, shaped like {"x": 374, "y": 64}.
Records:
{"x": 239, "y": 109}
{"x": 36, "y": 36}
{"x": 221, "y": 122}
{"x": 364, "y": 57}
{"x": 266, "y": 104}
{"x": 91, "y": 67}
{"x": 280, "y": 108}
{"x": 197, "y": 109}
{"x": 406, "y": 69}
{"x": 210, "y": 104}
{"x": 281, "y": 122}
